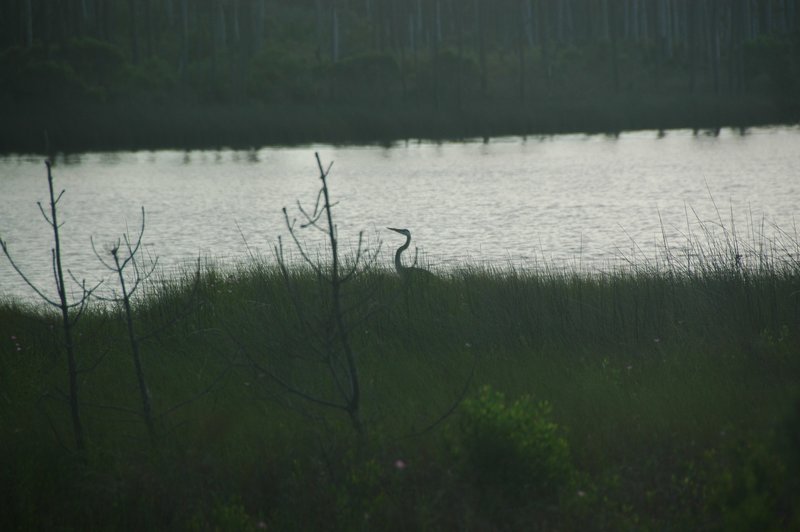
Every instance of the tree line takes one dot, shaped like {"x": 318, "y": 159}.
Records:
{"x": 425, "y": 50}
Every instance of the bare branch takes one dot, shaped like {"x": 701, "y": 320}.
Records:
{"x": 197, "y": 396}
{"x": 44, "y": 214}
{"x": 285, "y": 385}
{"x": 115, "y": 408}
{"x": 311, "y": 219}
{"x": 299, "y": 246}
{"x": 27, "y": 281}
{"x": 447, "y": 413}
{"x": 132, "y": 252}
{"x": 349, "y": 275}
{"x": 99, "y": 257}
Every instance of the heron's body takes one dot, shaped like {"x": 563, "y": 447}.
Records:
{"x": 406, "y": 272}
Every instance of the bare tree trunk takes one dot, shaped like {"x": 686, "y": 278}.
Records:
{"x": 220, "y": 28}
{"x": 691, "y": 5}
{"x": 736, "y": 59}
{"x": 668, "y": 28}
{"x": 436, "y": 38}
{"x": 104, "y": 16}
{"x": 714, "y": 44}
{"x": 334, "y": 32}
{"x": 134, "y": 32}
{"x": 635, "y": 21}
{"x": 412, "y": 39}
{"x": 660, "y": 40}
{"x": 184, "y": 36}
{"x": 480, "y": 14}
{"x": 258, "y": 24}
{"x": 72, "y": 364}
{"x": 438, "y": 6}
{"x": 796, "y": 7}
{"x": 643, "y": 22}
{"x": 334, "y": 50}
{"x": 28, "y": 14}
{"x": 544, "y": 31}
{"x": 460, "y": 38}
{"x": 144, "y": 392}
{"x": 613, "y": 23}
{"x": 319, "y": 29}
{"x": 148, "y": 28}
{"x": 521, "y": 49}
{"x": 530, "y": 29}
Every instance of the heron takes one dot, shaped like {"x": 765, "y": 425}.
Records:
{"x": 406, "y": 271}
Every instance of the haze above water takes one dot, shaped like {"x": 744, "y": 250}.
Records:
{"x": 574, "y": 200}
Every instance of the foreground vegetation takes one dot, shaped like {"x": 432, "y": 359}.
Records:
{"x": 319, "y": 391}
{"x": 632, "y": 399}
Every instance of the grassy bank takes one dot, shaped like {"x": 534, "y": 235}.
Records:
{"x": 89, "y": 127}
{"x": 671, "y": 404}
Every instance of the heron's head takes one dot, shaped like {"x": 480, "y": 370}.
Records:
{"x": 405, "y": 232}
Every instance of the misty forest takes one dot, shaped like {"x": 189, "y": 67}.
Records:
{"x": 399, "y": 265}
{"x": 135, "y": 74}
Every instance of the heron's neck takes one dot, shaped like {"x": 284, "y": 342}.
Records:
{"x": 397, "y": 262}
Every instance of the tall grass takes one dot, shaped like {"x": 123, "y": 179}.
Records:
{"x": 653, "y": 372}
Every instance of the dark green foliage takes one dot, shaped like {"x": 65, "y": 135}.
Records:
{"x": 280, "y": 75}
{"x": 33, "y": 76}
{"x": 513, "y": 448}
{"x": 757, "y": 485}
{"x": 396, "y": 70}
{"x": 97, "y": 62}
{"x": 649, "y": 376}
{"x": 151, "y": 76}
{"x": 774, "y": 62}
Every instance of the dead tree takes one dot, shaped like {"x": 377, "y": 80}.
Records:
{"x": 323, "y": 321}
{"x": 71, "y": 311}
{"x": 124, "y": 254}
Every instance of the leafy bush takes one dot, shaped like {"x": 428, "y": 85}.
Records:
{"x": 514, "y": 448}
{"x": 758, "y": 486}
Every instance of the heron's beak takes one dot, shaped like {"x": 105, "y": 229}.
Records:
{"x": 393, "y": 229}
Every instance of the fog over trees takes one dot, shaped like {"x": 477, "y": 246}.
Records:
{"x": 432, "y": 54}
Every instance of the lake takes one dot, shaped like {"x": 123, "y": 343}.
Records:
{"x": 578, "y": 201}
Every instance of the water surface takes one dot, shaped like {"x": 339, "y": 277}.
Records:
{"x": 588, "y": 201}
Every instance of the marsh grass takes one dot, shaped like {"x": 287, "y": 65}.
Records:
{"x": 654, "y": 373}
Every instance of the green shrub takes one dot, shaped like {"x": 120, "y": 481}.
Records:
{"x": 757, "y": 486}
{"x": 225, "y": 517}
{"x": 513, "y": 448}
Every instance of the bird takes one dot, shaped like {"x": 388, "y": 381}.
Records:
{"x": 405, "y": 272}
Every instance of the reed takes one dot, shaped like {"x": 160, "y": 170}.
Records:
{"x": 655, "y": 374}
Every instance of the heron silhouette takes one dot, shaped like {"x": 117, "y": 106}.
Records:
{"x": 406, "y": 272}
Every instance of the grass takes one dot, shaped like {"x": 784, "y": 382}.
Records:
{"x": 672, "y": 388}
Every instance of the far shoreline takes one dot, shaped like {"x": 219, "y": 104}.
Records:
{"x": 79, "y": 128}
